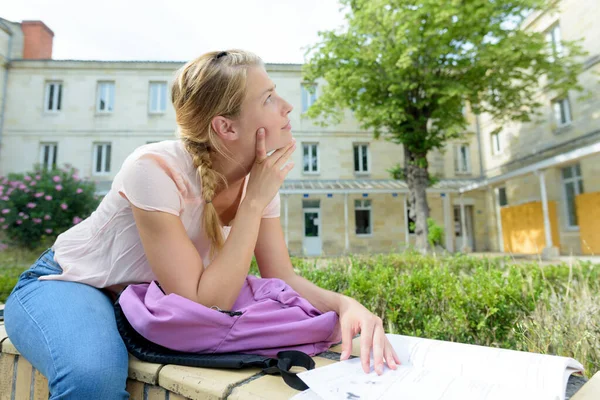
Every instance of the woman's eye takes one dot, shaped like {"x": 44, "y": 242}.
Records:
{"x": 268, "y": 99}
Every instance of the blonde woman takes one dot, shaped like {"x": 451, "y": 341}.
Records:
{"x": 189, "y": 213}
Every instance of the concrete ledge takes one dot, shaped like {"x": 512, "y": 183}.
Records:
{"x": 147, "y": 381}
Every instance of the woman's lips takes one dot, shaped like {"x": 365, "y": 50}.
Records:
{"x": 288, "y": 126}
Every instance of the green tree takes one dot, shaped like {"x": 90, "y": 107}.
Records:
{"x": 406, "y": 69}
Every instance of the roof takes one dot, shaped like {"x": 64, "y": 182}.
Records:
{"x": 366, "y": 186}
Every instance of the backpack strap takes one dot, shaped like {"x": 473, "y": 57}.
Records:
{"x": 285, "y": 361}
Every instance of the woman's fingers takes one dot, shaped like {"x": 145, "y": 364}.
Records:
{"x": 378, "y": 348}
{"x": 366, "y": 342}
{"x": 261, "y": 151}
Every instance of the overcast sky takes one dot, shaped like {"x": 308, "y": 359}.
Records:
{"x": 177, "y": 30}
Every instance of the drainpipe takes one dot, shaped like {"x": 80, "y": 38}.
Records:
{"x": 478, "y": 130}
{"x": 5, "y": 88}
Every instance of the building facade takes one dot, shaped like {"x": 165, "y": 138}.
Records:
{"x": 339, "y": 198}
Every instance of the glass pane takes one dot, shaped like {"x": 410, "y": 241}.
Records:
{"x": 54, "y": 155}
{"x": 163, "y": 97}
{"x": 306, "y": 159}
{"x": 411, "y": 222}
{"x": 311, "y": 203}
{"x": 357, "y": 203}
{"x": 567, "y": 173}
{"x": 58, "y": 102}
{"x": 99, "y": 158}
{"x": 111, "y": 96}
{"x": 577, "y": 170}
{"x": 51, "y": 97}
{"x": 557, "y": 112}
{"x": 46, "y": 157}
{"x": 571, "y": 214}
{"x": 563, "y": 112}
{"x": 365, "y": 165}
{"x": 310, "y": 228}
{"x": 362, "y": 222}
{"x": 304, "y": 98}
{"x": 314, "y": 160}
{"x": 153, "y": 97}
{"x": 502, "y": 199}
{"x": 356, "y": 159}
{"x": 580, "y": 186}
{"x": 108, "y": 151}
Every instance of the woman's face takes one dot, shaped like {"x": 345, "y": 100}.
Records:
{"x": 262, "y": 108}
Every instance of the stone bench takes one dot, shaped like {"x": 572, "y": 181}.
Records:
{"x": 147, "y": 381}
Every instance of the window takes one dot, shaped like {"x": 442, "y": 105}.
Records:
{"x": 311, "y": 158}
{"x": 496, "y": 144}
{"x": 48, "y": 153}
{"x": 53, "y": 97}
{"x": 102, "y": 154}
{"x": 462, "y": 159}
{"x": 410, "y": 221}
{"x": 309, "y": 96}
{"x": 502, "y": 198}
{"x": 363, "y": 217}
{"x": 562, "y": 111}
{"x": 158, "y": 97}
{"x": 361, "y": 158}
{"x": 553, "y": 38}
{"x": 106, "y": 97}
{"x": 573, "y": 186}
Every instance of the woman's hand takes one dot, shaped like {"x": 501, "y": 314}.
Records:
{"x": 355, "y": 318}
{"x": 268, "y": 172}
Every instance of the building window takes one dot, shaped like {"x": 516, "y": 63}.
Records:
{"x": 311, "y": 158}
{"x": 158, "y": 97}
{"x": 361, "y": 158}
{"x": 496, "y": 144}
{"x": 48, "y": 153}
{"x": 410, "y": 221}
{"x": 106, "y": 97}
{"x": 102, "y": 155}
{"x": 309, "y": 96}
{"x": 363, "y": 217}
{"x": 502, "y": 198}
{"x": 573, "y": 186}
{"x": 562, "y": 111}
{"x": 553, "y": 37}
{"x": 462, "y": 159}
{"x": 53, "y": 97}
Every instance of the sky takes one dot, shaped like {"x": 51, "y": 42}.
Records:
{"x": 279, "y": 31}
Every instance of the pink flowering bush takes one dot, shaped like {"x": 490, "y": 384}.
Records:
{"x": 36, "y": 207}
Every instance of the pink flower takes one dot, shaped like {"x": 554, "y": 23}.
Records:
{"x": 47, "y": 217}
{"x": 27, "y": 178}
{"x": 2, "y": 220}
{"x": 79, "y": 190}
{"x": 5, "y": 198}
{"x": 76, "y": 178}
{"x": 25, "y": 216}
{"x": 58, "y": 188}
{"x": 48, "y": 231}
{"x": 39, "y": 194}
{"x": 48, "y": 197}
{"x": 22, "y": 187}
{"x": 37, "y": 220}
{"x": 38, "y": 177}
{"x": 6, "y": 211}
{"x": 21, "y": 214}
{"x": 19, "y": 222}
{"x": 26, "y": 190}
{"x": 76, "y": 220}
{"x": 64, "y": 206}
{"x": 33, "y": 183}
{"x": 30, "y": 205}
{"x": 56, "y": 178}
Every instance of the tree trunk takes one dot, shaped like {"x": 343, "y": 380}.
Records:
{"x": 417, "y": 178}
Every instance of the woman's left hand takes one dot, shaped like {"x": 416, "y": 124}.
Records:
{"x": 355, "y": 318}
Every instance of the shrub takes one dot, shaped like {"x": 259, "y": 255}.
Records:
{"x": 37, "y": 206}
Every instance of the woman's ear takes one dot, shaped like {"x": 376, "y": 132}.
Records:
{"x": 224, "y": 128}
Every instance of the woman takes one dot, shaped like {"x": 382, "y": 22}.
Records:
{"x": 189, "y": 213}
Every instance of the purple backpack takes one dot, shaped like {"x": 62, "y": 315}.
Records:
{"x": 268, "y": 317}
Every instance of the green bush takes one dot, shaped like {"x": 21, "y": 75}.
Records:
{"x": 39, "y": 205}
{"x": 436, "y": 233}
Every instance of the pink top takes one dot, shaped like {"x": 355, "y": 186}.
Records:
{"x": 105, "y": 249}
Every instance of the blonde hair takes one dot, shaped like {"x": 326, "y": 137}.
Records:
{"x": 211, "y": 85}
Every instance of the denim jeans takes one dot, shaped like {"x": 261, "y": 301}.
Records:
{"x": 67, "y": 331}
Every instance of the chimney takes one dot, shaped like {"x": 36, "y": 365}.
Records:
{"x": 37, "y": 40}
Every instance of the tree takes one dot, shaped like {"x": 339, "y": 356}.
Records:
{"x": 406, "y": 69}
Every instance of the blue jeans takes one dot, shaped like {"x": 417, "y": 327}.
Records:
{"x": 67, "y": 331}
